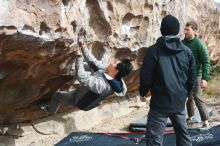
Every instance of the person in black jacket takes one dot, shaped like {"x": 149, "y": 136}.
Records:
{"x": 168, "y": 71}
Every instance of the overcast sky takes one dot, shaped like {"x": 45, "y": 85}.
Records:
{"x": 217, "y": 1}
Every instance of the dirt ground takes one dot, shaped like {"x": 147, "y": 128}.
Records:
{"x": 120, "y": 124}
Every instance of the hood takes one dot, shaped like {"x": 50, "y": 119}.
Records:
{"x": 124, "y": 90}
{"x": 117, "y": 85}
{"x": 170, "y": 44}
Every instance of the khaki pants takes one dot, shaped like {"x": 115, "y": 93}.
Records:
{"x": 196, "y": 97}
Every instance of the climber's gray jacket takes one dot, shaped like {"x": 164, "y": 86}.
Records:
{"x": 94, "y": 86}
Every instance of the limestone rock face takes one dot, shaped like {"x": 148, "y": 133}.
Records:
{"x": 35, "y": 57}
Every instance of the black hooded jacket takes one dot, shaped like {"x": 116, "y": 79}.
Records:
{"x": 169, "y": 72}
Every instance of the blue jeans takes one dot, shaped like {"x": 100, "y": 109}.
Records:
{"x": 156, "y": 124}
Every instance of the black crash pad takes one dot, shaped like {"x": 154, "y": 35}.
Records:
{"x": 199, "y": 138}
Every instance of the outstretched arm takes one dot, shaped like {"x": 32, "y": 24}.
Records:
{"x": 90, "y": 59}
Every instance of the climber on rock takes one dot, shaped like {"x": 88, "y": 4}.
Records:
{"x": 95, "y": 85}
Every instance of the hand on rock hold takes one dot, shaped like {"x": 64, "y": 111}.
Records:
{"x": 80, "y": 44}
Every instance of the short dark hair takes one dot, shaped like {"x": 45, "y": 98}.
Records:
{"x": 193, "y": 24}
{"x": 124, "y": 68}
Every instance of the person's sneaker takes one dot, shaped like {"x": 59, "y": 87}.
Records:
{"x": 42, "y": 105}
{"x": 191, "y": 121}
{"x": 205, "y": 127}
